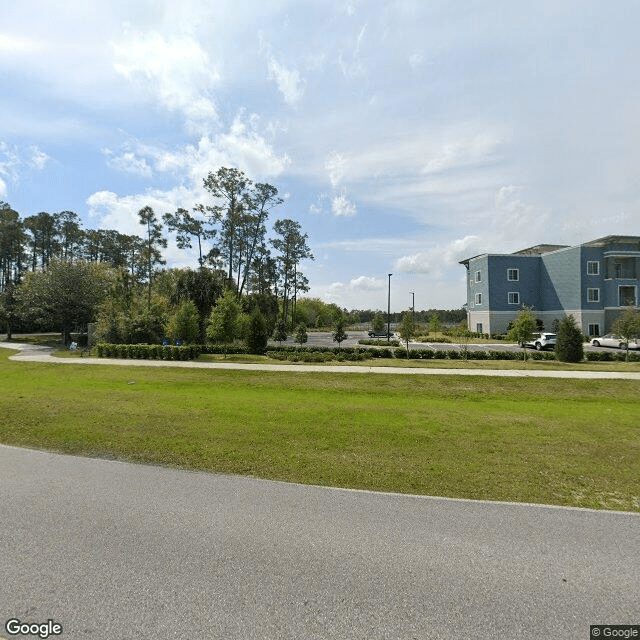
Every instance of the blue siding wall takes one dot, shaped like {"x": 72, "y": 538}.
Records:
{"x": 527, "y": 284}
{"x": 592, "y": 254}
{"x": 478, "y": 264}
{"x": 560, "y": 283}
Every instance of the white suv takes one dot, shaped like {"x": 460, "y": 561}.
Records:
{"x": 542, "y": 341}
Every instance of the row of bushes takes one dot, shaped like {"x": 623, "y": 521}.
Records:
{"x": 380, "y": 343}
{"x": 609, "y": 356}
{"x": 326, "y": 354}
{"x": 148, "y": 351}
{"x": 341, "y": 354}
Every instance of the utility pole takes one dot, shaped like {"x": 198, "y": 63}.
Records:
{"x": 389, "y": 309}
{"x": 413, "y": 307}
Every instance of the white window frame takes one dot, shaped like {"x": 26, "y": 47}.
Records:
{"x": 590, "y": 293}
{"x": 513, "y": 297}
{"x": 478, "y": 298}
{"x": 590, "y": 263}
{"x": 517, "y": 278}
{"x": 478, "y": 276}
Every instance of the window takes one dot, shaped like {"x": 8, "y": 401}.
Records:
{"x": 593, "y": 295}
{"x": 593, "y": 268}
{"x": 478, "y": 276}
{"x": 514, "y": 297}
{"x": 479, "y": 327}
{"x": 594, "y": 330}
{"x": 513, "y": 275}
{"x": 478, "y": 298}
{"x": 627, "y": 296}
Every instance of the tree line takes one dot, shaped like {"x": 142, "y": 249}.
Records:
{"x": 229, "y": 234}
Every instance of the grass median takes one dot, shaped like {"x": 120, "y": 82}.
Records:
{"x": 566, "y": 442}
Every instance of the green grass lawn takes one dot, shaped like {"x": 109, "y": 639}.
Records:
{"x": 568, "y": 442}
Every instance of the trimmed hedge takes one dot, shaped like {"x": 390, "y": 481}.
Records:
{"x": 380, "y": 343}
{"x": 148, "y": 351}
{"x": 611, "y": 356}
{"x": 341, "y": 354}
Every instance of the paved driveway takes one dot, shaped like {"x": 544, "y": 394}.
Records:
{"x": 114, "y": 550}
{"x": 33, "y": 353}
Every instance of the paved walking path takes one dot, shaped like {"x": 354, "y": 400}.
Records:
{"x": 35, "y": 353}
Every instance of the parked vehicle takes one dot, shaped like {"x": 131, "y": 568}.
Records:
{"x": 614, "y": 340}
{"x": 542, "y": 341}
{"x": 381, "y": 334}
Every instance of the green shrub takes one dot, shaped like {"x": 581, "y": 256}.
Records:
{"x": 569, "y": 341}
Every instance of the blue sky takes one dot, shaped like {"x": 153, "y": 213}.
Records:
{"x": 404, "y": 136}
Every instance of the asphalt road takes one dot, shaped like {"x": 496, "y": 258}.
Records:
{"x": 114, "y": 550}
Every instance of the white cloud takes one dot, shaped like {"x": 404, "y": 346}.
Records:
{"x": 14, "y": 161}
{"x": 516, "y": 219}
{"x": 342, "y": 207}
{"x": 438, "y": 258}
{"x": 335, "y": 165}
{"x": 416, "y": 60}
{"x": 128, "y": 162}
{"x": 18, "y": 44}
{"x": 175, "y": 69}
{"x": 121, "y": 212}
{"x": 366, "y": 283}
{"x": 243, "y": 146}
{"x": 38, "y": 158}
{"x": 340, "y": 291}
{"x": 288, "y": 80}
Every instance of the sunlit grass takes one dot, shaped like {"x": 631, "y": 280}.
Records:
{"x": 570, "y": 442}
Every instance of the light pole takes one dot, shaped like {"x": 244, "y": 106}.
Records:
{"x": 413, "y": 307}
{"x": 389, "y": 309}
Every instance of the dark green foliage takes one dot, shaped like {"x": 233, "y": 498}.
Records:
{"x": 258, "y": 333}
{"x": 569, "y": 346}
{"x": 301, "y": 334}
{"x": 148, "y": 351}
{"x": 339, "y": 334}
{"x": 184, "y": 325}
{"x": 280, "y": 334}
{"x": 380, "y": 343}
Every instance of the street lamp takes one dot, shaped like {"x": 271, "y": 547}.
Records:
{"x": 413, "y": 306}
{"x": 389, "y": 309}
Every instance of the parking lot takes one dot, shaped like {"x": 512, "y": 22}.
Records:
{"x": 325, "y": 339}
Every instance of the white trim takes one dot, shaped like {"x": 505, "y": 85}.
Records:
{"x": 597, "y": 271}
{"x": 597, "y": 297}
{"x": 517, "y": 278}
{"x": 478, "y": 276}
{"x": 478, "y": 298}
{"x": 516, "y": 296}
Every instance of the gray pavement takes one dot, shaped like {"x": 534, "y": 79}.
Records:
{"x": 116, "y": 550}
{"x": 33, "y": 353}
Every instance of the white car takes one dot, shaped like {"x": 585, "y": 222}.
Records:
{"x": 542, "y": 341}
{"x": 613, "y": 340}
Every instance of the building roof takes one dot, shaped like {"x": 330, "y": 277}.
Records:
{"x": 541, "y": 249}
{"x": 603, "y": 242}
{"x": 537, "y": 250}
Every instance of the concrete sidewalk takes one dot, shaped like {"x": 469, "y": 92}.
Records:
{"x": 35, "y": 353}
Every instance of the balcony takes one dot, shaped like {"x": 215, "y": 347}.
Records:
{"x": 621, "y": 268}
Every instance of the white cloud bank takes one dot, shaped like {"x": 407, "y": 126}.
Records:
{"x": 174, "y": 69}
